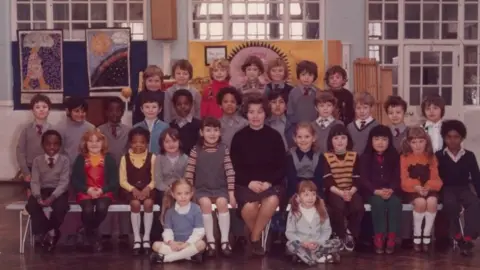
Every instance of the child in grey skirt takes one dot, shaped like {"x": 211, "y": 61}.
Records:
{"x": 308, "y": 228}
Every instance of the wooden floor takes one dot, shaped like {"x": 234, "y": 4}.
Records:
{"x": 120, "y": 259}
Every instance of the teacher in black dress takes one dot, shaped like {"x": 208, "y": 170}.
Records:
{"x": 258, "y": 158}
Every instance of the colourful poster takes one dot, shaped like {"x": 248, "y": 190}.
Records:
{"x": 108, "y": 58}
{"x": 41, "y": 64}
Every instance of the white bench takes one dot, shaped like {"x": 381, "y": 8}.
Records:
{"x": 27, "y": 230}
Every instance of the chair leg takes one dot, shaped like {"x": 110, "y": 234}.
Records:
{"x": 21, "y": 233}
{"x": 265, "y": 235}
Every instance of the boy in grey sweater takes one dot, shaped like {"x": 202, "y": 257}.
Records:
{"x": 49, "y": 184}
{"x": 364, "y": 122}
{"x": 395, "y": 107}
{"x": 325, "y": 103}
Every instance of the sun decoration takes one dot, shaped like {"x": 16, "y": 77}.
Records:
{"x": 126, "y": 92}
{"x": 100, "y": 43}
{"x": 265, "y": 51}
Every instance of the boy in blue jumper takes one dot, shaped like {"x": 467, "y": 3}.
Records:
{"x": 301, "y": 100}
{"x": 150, "y": 108}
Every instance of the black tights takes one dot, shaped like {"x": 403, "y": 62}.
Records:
{"x": 94, "y": 212}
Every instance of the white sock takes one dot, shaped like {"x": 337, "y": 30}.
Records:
{"x": 135, "y": 219}
{"x": 208, "y": 224}
{"x": 147, "y": 223}
{"x": 429, "y": 220}
{"x": 183, "y": 254}
{"x": 224, "y": 224}
{"x": 417, "y": 226}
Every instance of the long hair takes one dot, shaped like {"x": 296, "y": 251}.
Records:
{"x": 307, "y": 185}
{"x": 417, "y": 133}
{"x": 381, "y": 131}
{"x": 86, "y": 137}
{"x": 308, "y": 126}
{"x": 168, "y": 201}
{"x": 338, "y": 130}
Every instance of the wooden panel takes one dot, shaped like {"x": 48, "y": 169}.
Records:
{"x": 335, "y": 53}
{"x": 386, "y": 82}
{"x": 366, "y": 79}
{"x": 163, "y": 14}
{"x": 96, "y": 110}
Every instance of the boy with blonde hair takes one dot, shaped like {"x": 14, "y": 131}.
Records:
{"x": 364, "y": 122}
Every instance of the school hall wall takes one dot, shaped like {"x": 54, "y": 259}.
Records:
{"x": 347, "y": 25}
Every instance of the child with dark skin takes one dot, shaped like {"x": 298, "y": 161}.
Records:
{"x": 187, "y": 125}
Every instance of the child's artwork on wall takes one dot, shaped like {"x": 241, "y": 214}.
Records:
{"x": 108, "y": 58}
{"x": 41, "y": 64}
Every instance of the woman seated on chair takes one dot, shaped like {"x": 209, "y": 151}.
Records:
{"x": 258, "y": 158}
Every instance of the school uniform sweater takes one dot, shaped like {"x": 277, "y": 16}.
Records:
{"x": 252, "y": 87}
{"x": 117, "y": 139}
{"x": 72, "y": 133}
{"x": 183, "y": 224}
{"x": 345, "y": 107}
{"x": 278, "y": 123}
{"x": 419, "y": 170}
{"x": 378, "y": 171}
{"x": 79, "y": 175}
{"x": 303, "y": 166}
{"x": 138, "y": 116}
{"x": 209, "y": 106}
{"x": 138, "y": 161}
{"x": 399, "y": 133}
{"x": 169, "y": 113}
{"x": 341, "y": 171}
{"x": 300, "y": 228}
{"x": 282, "y": 88}
{"x": 168, "y": 169}
{"x": 258, "y": 155}
{"x": 301, "y": 104}
{"x": 360, "y": 135}
{"x": 322, "y": 128}
{"x": 44, "y": 176}
{"x": 230, "y": 125}
{"x": 188, "y": 130}
{"x": 458, "y": 171}
{"x": 29, "y": 145}
{"x": 155, "y": 127}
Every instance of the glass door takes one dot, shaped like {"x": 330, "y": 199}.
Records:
{"x": 432, "y": 69}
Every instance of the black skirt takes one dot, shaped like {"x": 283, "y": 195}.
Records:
{"x": 244, "y": 195}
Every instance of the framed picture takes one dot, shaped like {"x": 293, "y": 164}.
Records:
{"x": 41, "y": 64}
{"x": 214, "y": 52}
{"x": 108, "y": 58}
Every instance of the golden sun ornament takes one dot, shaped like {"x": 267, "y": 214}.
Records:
{"x": 100, "y": 44}
{"x": 126, "y": 92}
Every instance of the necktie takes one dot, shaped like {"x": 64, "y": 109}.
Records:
{"x": 50, "y": 162}
{"x": 39, "y": 129}
{"x": 362, "y": 124}
{"x": 323, "y": 123}
{"x": 397, "y": 132}
{"x": 114, "y": 131}
{"x": 305, "y": 91}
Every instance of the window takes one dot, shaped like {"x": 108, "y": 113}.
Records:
{"x": 256, "y": 19}
{"x": 74, "y": 16}
{"x": 471, "y": 75}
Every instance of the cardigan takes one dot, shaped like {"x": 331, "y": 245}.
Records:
{"x": 410, "y": 164}
{"x": 209, "y": 106}
{"x": 79, "y": 177}
{"x": 377, "y": 172}
{"x": 57, "y": 177}
{"x": 158, "y": 127}
{"x": 460, "y": 173}
{"x": 189, "y": 134}
{"x": 29, "y": 145}
{"x": 299, "y": 229}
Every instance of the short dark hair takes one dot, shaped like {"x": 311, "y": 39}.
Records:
{"x": 456, "y": 125}
{"x": 433, "y": 100}
{"x": 76, "y": 102}
{"x": 325, "y": 97}
{"x": 40, "y": 98}
{"x": 229, "y": 90}
{"x": 395, "y": 101}
{"x": 172, "y": 133}
{"x": 51, "y": 132}
{"x": 149, "y": 97}
{"x": 111, "y": 100}
{"x": 182, "y": 93}
{"x": 272, "y": 95}
{"x": 335, "y": 70}
{"x": 253, "y": 60}
{"x": 138, "y": 131}
{"x": 209, "y": 122}
{"x": 183, "y": 64}
{"x": 308, "y": 67}
{"x": 337, "y": 130}
{"x": 259, "y": 99}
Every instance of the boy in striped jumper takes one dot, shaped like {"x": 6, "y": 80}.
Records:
{"x": 361, "y": 127}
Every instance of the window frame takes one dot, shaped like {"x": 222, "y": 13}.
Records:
{"x": 285, "y": 21}
{"x": 109, "y": 21}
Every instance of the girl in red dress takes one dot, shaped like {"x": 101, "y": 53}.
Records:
{"x": 95, "y": 179}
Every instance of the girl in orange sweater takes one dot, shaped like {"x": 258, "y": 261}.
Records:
{"x": 421, "y": 182}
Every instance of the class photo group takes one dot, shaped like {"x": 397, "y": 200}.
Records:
{"x": 210, "y": 158}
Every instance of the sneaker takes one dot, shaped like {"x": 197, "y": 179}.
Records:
{"x": 349, "y": 243}
{"x": 391, "y": 243}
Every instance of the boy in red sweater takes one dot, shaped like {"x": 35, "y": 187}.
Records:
{"x": 219, "y": 74}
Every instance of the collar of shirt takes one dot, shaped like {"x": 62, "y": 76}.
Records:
{"x": 44, "y": 126}
{"x": 430, "y": 124}
{"x": 150, "y": 124}
{"x": 277, "y": 85}
{"x": 311, "y": 88}
{"x": 457, "y": 157}
{"x": 253, "y": 84}
{"x": 358, "y": 122}
{"x": 181, "y": 122}
{"x": 276, "y": 118}
{"x": 401, "y": 128}
{"x": 230, "y": 120}
{"x": 301, "y": 154}
{"x": 47, "y": 158}
{"x": 325, "y": 121}
{"x": 182, "y": 209}
{"x": 178, "y": 87}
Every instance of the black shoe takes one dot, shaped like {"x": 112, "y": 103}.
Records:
{"x": 156, "y": 258}
{"x": 197, "y": 258}
{"x": 465, "y": 248}
{"x": 137, "y": 248}
{"x": 211, "y": 250}
{"x": 53, "y": 241}
{"x": 426, "y": 247}
{"x": 147, "y": 248}
{"x": 226, "y": 249}
{"x": 257, "y": 248}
